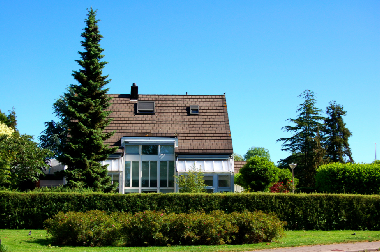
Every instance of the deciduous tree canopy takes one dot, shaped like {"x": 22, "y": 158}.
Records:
{"x": 257, "y": 174}
{"x": 22, "y": 161}
{"x": 257, "y": 151}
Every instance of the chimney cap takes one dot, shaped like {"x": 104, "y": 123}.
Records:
{"x": 134, "y": 84}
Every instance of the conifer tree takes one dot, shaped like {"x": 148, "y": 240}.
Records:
{"x": 83, "y": 113}
{"x": 336, "y": 135}
{"x": 303, "y": 144}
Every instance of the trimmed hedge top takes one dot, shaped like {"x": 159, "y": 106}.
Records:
{"x": 348, "y": 178}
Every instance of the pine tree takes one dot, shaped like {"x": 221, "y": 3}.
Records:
{"x": 336, "y": 134}
{"x": 83, "y": 113}
{"x": 303, "y": 144}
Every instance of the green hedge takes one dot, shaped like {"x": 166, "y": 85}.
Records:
{"x": 348, "y": 178}
{"x": 151, "y": 228}
{"x": 300, "y": 211}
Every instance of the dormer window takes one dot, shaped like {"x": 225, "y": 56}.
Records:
{"x": 145, "y": 107}
{"x": 194, "y": 109}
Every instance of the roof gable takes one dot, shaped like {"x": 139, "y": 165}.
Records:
{"x": 205, "y": 133}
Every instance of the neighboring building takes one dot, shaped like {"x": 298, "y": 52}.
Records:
{"x": 237, "y": 166}
{"x": 160, "y": 136}
{"x": 51, "y": 179}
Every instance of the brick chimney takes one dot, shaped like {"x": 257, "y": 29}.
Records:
{"x": 134, "y": 92}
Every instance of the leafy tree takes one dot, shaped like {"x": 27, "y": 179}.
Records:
{"x": 10, "y": 119}
{"x": 336, "y": 134}
{"x": 303, "y": 143}
{"x": 192, "y": 181}
{"x": 22, "y": 161}
{"x": 237, "y": 157}
{"x": 257, "y": 174}
{"x": 83, "y": 113}
{"x": 257, "y": 151}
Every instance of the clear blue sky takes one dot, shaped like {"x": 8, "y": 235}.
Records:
{"x": 262, "y": 54}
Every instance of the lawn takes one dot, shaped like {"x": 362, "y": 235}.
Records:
{"x": 19, "y": 240}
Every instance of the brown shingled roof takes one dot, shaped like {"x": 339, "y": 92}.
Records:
{"x": 206, "y": 133}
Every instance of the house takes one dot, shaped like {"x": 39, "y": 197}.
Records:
{"x": 159, "y": 136}
{"x": 237, "y": 166}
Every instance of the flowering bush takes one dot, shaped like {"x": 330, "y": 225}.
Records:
{"x": 281, "y": 187}
{"x": 5, "y": 130}
{"x": 150, "y": 228}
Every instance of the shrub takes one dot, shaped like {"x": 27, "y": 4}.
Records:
{"x": 256, "y": 227}
{"x": 3, "y": 248}
{"x": 348, "y": 178}
{"x": 192, "y": 181}
{"x": 93, "y": 228}
{"x": 258, "y": 174}
{"x": 150, "y": 228}
{"x": 281, "y": 187}
{"x": 143, "y": 229}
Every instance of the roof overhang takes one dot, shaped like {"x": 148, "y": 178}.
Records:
{"x": 149, "y": 140}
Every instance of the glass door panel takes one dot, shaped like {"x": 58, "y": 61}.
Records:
{"x": 171, "y": 174}
{"x": 163, "y": 174}
{"x": 135, "y": 173}
{"x": 153, "y": 173}
{"x": 127, "y": 174}
{"x": 145, "y": 174}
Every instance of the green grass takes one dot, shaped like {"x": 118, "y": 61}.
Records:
{"x": 19, "y": 240}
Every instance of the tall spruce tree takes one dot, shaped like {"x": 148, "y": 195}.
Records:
{"x": 303, "y": 144}
{"x": 336, "y": 135}
{"x": 83, "y": 115}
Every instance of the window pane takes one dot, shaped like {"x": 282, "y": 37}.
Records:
{"x": 135, "y": 173}
{"x": 208, "y": 180}
{"x": 149, "y": 190}
{"x": 224, "y": 180}
{"x": 153, "y": 173}
{"x": 115, "y": 178}
{"x": 166, "y": 190}
{"x": 171, "y": 174}
{"x": 163, "y": 174}
{"x": 167, "y": 149}
{"x": 145, "y": 174}
{"x": 132, "y": 149}
{"x": 150, "y": 149}
{"x": 128, "y": 174}
{"x": 131, "y": 191}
